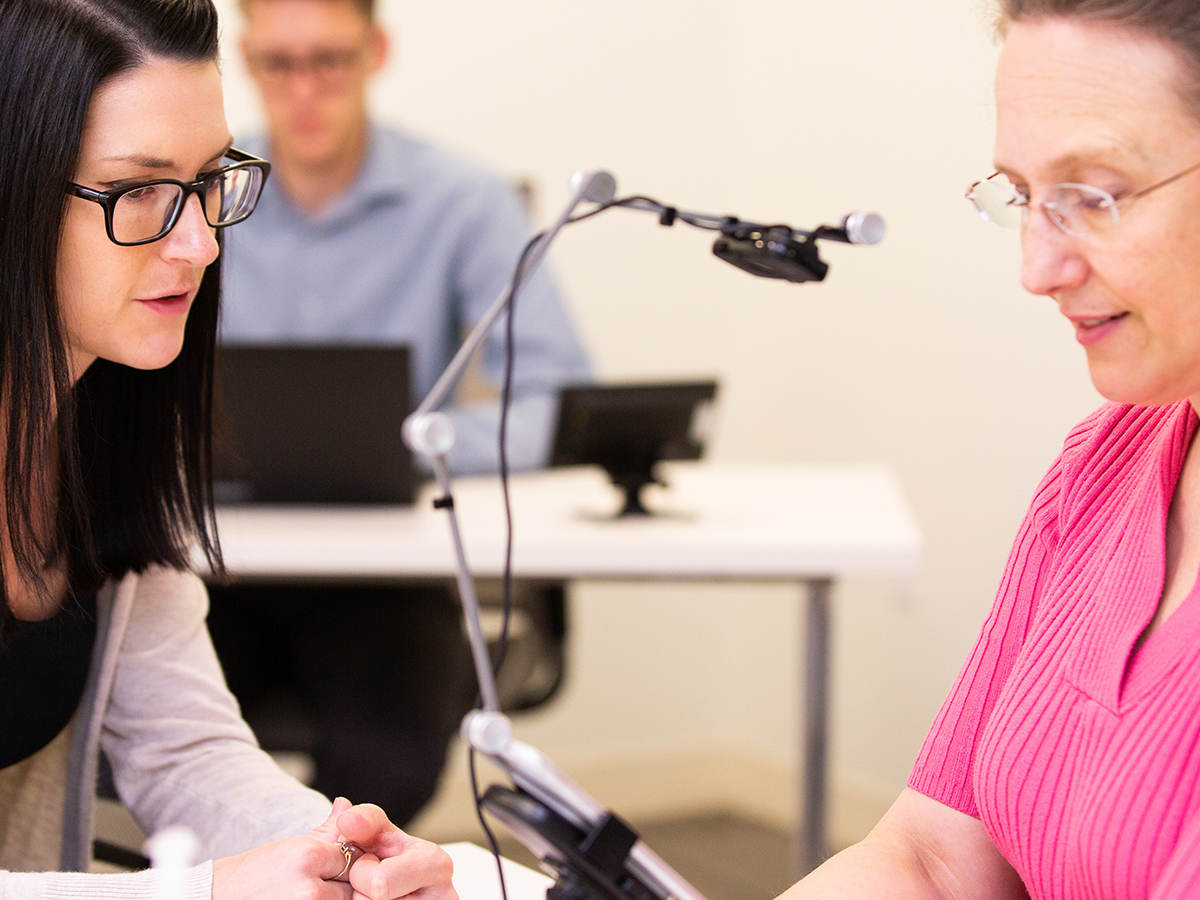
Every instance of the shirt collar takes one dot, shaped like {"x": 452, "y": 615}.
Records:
{"x": 388, "y": 169}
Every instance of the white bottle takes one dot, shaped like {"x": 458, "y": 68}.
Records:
{"x": 172, "y": 851}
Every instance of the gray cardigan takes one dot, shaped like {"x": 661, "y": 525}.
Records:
{"x": 157, "y": 703}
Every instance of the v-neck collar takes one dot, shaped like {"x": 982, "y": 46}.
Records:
{"x": 1125, "y": 561}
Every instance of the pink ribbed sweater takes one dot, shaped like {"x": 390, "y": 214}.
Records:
{"x": 1080, "y": 755}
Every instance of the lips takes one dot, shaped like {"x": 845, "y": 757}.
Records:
{"x": 1093, "y": 329}
{"x": 173, "y": 293}
{"x": 169, "y": 304}
{"x": 1097, "y": 321}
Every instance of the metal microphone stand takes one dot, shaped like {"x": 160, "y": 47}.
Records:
{"x": 592, "y": 853}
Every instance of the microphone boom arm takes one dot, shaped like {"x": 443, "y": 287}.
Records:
{"x": 591, "y": 851}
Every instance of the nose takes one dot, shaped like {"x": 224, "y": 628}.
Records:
{"x": 1050, "y": 258}
{"x": 303, "y": 83}
{"x": 192, "y": 240}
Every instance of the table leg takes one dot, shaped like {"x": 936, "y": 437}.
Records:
{"x": 809, "y": 846}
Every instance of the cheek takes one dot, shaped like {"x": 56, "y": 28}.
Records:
{"x": 74, "y": 249}
{"x": 1154, "y": 275}
{"x": 93, "y": 272}
{"x": 1154, "y": 261}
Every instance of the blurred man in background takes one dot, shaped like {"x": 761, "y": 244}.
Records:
{"x": 366, "y": 234}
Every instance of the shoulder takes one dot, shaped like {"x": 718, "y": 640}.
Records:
{"x": 437, "y": 172}
{"x": 162, "y": 600}
{"x": 1120, "y": 444}
{"x": 1122, "y": 432}
{"x": 429, "y": 156}
{"x": 1102, "y": 454}
{"x": 163, "y": 583}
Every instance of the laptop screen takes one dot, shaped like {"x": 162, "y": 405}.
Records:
{"x": 312, "y": 423}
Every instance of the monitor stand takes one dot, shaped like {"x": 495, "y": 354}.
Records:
{"x": 630, "y": 481}
{"x": 631, "y": 484}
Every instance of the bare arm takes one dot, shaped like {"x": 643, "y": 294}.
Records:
{"x": 920, "y": 850}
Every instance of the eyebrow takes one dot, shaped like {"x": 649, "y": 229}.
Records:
{"x": 1106, "y": 153}
{"x": 157, "y": 162}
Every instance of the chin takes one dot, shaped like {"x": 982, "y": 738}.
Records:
{"x": 154, "y": 353}
{"x": 1124, "y": 391}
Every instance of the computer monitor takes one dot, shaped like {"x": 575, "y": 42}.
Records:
{"x": 627, "y": 429}
{"x": 312, "y": 424}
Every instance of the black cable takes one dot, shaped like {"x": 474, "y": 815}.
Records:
{"x": 703, "y": 221}
{"x": 506, "y": 389}
{"x": 506, "y": 577}
{"x": 495, "y": 847}
{"x": 648, "y": 204}
{"x": 635, "y": 201}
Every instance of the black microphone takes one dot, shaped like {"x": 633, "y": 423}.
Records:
{"x": 774, "y": 251}
{"x": 859, "y": 227}
{"x": 778, "y": 251}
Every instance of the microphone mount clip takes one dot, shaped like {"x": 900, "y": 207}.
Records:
{"x": 770, "y": 251}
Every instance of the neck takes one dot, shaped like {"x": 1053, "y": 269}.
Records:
{"x": 314, "y": 184}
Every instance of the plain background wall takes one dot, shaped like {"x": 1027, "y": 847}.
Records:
{"x": 923, "y": 352}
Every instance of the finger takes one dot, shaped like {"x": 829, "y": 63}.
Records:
{"x": 422, "y": 865}
{"x": 336, "y": 861}
{"x": 441, "y": 892}
{"x": 335, "y": 890}
{"x": 446, "y": 892}
{"x": 369, "y": 827}
{"x": 328, "y": 830}
{"x": 430, "y": 893}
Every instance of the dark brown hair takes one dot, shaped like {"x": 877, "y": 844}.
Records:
{"x": 134, "y": 477}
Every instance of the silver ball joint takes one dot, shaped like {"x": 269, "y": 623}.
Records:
{"x": 487, "y": 732}
{"x": 429, "y": 434}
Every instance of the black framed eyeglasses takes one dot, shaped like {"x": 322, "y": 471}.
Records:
{"x": 147, "y": 211}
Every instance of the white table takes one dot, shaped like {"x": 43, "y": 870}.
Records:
{"x": 738, "y": 521}
{"x": 475, "y": 876}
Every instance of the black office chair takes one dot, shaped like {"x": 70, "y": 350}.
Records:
{"x": 290, "y": 708}
{"x": 532, "y": 674}
{"x": 534, "y": 666}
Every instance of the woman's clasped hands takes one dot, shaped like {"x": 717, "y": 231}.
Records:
{"x": 387, "y": 863}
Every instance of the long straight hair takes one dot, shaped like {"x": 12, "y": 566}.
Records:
{"x": 133, "y": 448}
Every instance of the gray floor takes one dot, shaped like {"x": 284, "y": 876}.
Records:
{"x": 725, "y": 857}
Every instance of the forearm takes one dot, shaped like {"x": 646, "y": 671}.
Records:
{"x": 181, "y": 754}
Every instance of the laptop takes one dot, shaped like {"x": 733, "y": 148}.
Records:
{"x": 312, "y": 423}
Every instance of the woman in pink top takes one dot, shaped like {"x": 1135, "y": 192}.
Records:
{"x": 1066, "y": 761}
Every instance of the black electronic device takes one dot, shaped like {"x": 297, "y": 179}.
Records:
{"x": 771, "y": 252}
{"x": 587, "y": 864}
{"x": 312, "y": 424}
{"x": 627, "y": 429}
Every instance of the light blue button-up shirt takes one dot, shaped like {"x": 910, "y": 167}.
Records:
{"x": 414, "y": 252}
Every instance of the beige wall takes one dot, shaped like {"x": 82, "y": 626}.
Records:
{"x": 923, "y": 352}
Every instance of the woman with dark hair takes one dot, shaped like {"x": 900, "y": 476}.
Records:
{"x": 118, "y": 176}
{"x": 1066, "y": 761}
